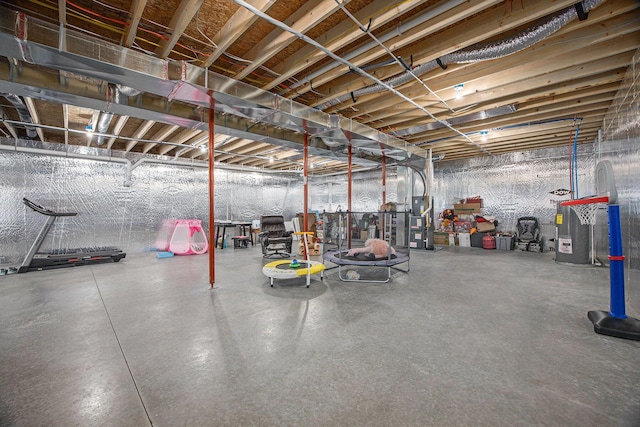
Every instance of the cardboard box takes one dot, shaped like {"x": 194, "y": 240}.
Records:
{"x": 440, "y": 238}
{"x": 312, "y": 249}
{"x": 485, "y": 226}
{"x": 467, "y": 207}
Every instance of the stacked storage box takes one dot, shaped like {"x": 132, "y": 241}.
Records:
{"x": 476, "y": 239}
{"x": 504, "y": 243}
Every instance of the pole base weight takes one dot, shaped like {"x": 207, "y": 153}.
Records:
{"x": 605, "y": 324}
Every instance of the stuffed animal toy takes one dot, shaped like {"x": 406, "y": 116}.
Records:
{"x": 373, "y": 249}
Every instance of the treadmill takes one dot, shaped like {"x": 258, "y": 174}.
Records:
{"x": 66, "y": 257}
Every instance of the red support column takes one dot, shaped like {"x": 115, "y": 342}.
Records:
{"x": 349, "y": 188}
{"x": 212, "y": 237}
{"x": 384, "y": 179}
{"x": 305, "y": 172}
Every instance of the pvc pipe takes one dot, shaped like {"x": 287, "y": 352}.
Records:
{"x": 489, "y": 51}
{"x": 191, "y": 163}
{"x": 359, "y": 70}
{"x": 419, "y": 20}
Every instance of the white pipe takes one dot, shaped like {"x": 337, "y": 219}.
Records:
{"x": 489, "y": 51}
{"x": 66, "y": 129}
{"x": 357, "y": 69}
{"x": 419, "y": 20}
{"x": 47, "y": 152}
{"x": 429, "y": 188}
{"x": 395, "y": 59}
{"x": 131, "y": 166}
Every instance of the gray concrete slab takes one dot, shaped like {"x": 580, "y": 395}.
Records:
{"x": 468, "y": 337}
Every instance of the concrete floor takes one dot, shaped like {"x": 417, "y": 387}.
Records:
{"x": 468, "y": 337}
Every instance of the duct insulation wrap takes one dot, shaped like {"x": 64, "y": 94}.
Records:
{"x": 106, "y": 117}
{"x": 476, "y": 53}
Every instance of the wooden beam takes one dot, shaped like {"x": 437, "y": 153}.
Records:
{"x": 563, "y": 49}
{"x": 35, "y": 118}
{"x": 427, "y": 45}
{"x": 122, "y": 120}
{"x": 142, "y": 130}
{"x": 136, "y": 9}
{"x": 234, "y": 28}
{"x": 161, "y": 135}
{"x": 62, "y": 12}
{"x": 302, "y": 20}
{"x": 181, "y": 18}
{"x": 183, "y": 137}
{"x": 377, "y": 14}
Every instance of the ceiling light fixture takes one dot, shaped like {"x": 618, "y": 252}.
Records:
{"x": 458, "y": 88}
{"x": 484, "y": 135}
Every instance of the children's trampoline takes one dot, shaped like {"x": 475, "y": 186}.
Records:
{"x": 290, "y": 269}
{"x": 341, "y": 259}
{"x": 283, "y": 269}
{"x": 394, "y": 229}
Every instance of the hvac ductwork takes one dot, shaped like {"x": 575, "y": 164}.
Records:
{"x": 478, "y": 53}
{"x": 236, "y": 102}
{"x": 113, "y": 95}
{"x": 23, "y": 113}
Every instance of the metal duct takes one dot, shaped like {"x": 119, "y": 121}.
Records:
{"x": 176, "y": 81}
{"x": 480, "y": 115}
{"x": 71, "y": 151}
{"x": 128, "y": 91}
{"x": 113, "y": 95}
{"x": 404, "y": 146}
{"x": 476, "y": 53}
{"x": 402, "y": 28}
{"x": 23, "y": 112}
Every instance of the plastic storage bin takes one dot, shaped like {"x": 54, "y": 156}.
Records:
{"x": 476, "y": 239}
{"x": 504, "y": 243}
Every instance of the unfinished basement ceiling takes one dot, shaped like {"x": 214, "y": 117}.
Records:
{"x": 462, "y": 78}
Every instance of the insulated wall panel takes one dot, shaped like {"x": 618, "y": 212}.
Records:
{"x": 331, "y": 193}
{"x": 514, "y": 185}
{"x": 128, "y": 217}
{"x": 620, "y": 144}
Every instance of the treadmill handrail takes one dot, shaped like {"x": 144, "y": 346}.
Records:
{"x": 45, "y": 211}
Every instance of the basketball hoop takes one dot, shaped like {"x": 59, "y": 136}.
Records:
{"x": 586, "y": 208}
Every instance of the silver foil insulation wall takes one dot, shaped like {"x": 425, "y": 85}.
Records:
{"x": 130, "y": 218}
{"x": 620, "y": 144}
